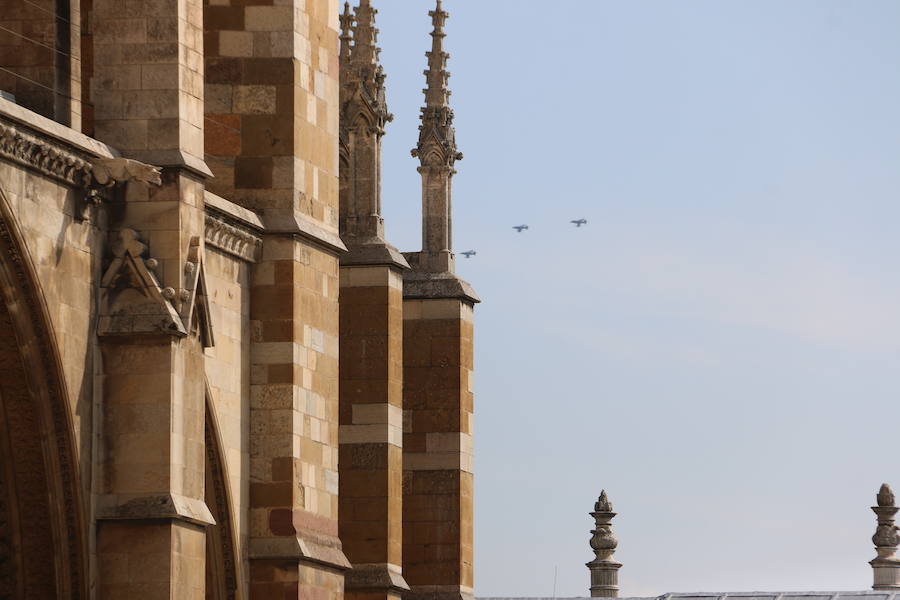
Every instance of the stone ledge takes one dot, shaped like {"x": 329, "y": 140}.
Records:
{"x": 424, "y": 286}
{"x": 376, "y": 576}
{"x": 306, "y": 546}
{"x": 60, "y": 133}
{"x": 371, "y": 253}
{"x": 169, "y": 159}
{"x": 290, "y": 222}
{"x": 118, "y": 507}
{"x": 239, "y": 213}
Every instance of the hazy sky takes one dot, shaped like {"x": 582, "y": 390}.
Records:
{"x": 719, "y": 348}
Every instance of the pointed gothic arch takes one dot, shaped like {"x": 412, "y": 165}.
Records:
{"x": 223, "y": 580}
{"x": 43, "y": 549}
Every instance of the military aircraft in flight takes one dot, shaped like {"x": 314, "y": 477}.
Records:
{"x": 469, "y": 253}
{"x": 579, "y": 222}
{"x": 520, "y": 228}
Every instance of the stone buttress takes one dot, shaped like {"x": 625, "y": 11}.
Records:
{"x": 437, "y": 367}
{"x": 272, "y": 109}
{"x": 371, "y": 326}
{"x": 152, "y": 517}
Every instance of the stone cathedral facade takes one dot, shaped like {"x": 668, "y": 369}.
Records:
{"x": 218, "y": 379}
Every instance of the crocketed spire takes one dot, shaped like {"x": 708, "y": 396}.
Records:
{"x": 364, "y": 114}
{"x": 437, "y": 94}
{"x": 346, "y": 38}
{"x": 437, "y": 136}
{"x": 362, "y": 75}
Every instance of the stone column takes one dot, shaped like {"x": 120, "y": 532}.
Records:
{"x": 149, "y": 96}
{"x": 604, "y": 570}
{"x": 886, "y": 565}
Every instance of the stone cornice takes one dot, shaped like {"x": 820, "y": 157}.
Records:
{"x": 227, "y": 235}
{"x": 43, "y": 154}
{"x": 233, "y": 229}
{"x": 52, "y": 149}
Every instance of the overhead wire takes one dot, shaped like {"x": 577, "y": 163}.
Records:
{"x": 38, "y": 84}
{"x": 39, "y": 43}
{"x": 51, "y": 13}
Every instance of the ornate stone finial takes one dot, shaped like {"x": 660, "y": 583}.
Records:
{"x": 366, "y": 72}
{"x": 604, "y": 569}
{"x": 437, "y": 94}
{"x": 346, "y": 20}
{"x": 364, "y": 114}
{"x": 437, "y": 153}
{"x": 886, "y": 496}
{"x": 603, "y": 504}
{"x": 886, "y": 565}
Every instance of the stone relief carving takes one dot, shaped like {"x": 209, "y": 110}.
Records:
{"x": 45, "y": 155}
{"x": 87, "y": 174}
{"x": 237, "y": 241}
{"x": 195, "y": 311}
{"x": 132, "y": 299}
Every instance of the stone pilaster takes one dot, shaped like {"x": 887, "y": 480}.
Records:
{"x": 886, "y": 566}
{"x": 604, "y": 569}
{"x": 152, "y": 515}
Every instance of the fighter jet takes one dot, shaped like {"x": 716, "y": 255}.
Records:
{"x": 469, "y": 253}
{"x": 520, "y": 228}
{"x": 579, "y": 222}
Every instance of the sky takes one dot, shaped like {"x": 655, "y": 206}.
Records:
{"x": 719, "y": 347}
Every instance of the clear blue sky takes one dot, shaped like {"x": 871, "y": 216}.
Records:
{"x": 719, "y": 348}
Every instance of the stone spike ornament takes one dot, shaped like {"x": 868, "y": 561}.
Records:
{"x": 604, "y": 569}
{"x": 364, "y": 114}
{"x": 347, "y": 21}
{"x": 437, "y": 153}
{"x": 886, "y": 565}
{"x": 365, "y": 66}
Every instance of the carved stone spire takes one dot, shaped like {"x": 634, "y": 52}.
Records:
{"x": 604, "y": 569}
{"x": 364, "y": 114}
{"x": 437, "y": 154}
{"x": 886, "y": 565}
{"x": 346, "y": 20}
